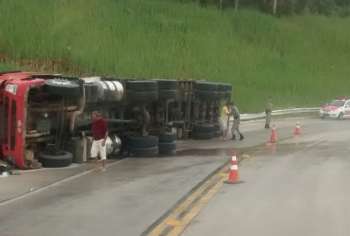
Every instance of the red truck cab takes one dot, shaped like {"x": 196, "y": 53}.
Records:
{"x": 24, "y": 103}
{"x": 14, "y": 88}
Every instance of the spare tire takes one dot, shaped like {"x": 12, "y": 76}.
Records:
{"x": 59, "y": 159}
{"x": 62, "y": 87}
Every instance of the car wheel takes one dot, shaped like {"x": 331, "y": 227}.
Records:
{"x": 58, "y": 159}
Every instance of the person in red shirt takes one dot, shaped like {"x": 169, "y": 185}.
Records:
{"x": 99, "y": 134}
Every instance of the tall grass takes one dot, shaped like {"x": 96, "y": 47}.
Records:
{"x": 299, "y": 60}
{"x": 6, "y": 67}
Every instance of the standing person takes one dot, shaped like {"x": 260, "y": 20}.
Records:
{"x": 226, "y": 114}
{"x": 268, "y": 112}
{"x": 236, "y": 121}
{"x": 99, "y": 134}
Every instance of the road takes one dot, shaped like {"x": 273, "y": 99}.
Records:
{"x": 298, "y": 188}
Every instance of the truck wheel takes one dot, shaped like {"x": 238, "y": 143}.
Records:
{"x": 142, "y": 141}
{"x": 59, "y": 159}
{"x": 144, "y": 97}
{"x": 141, "y": 85}
{"x": 164, "y": 84}
{"x": 167, "y": 137}
{"x": 203, "y": 135}
{"x": 167, "y": 95}
{"x": 206, "y": 95}
{"x": 144, "y": 152}
{"x": 207, "y": 86}
{"x": 224, "y": 87}
{"x": 63, "y": 87}
{"x": 204, "y": 128}
{"x": 167, "y": 148}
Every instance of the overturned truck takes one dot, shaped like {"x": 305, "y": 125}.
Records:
{"x": 45, "y": 119}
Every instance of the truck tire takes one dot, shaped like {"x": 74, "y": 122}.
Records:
{"x": 167, "y": 137}
{"x": 144, "y": 152}
{"x": 167, "y": 148}
{"x": 141, "y": 85}
{"x": 59, "y": 159}
{"x": 203, "y": 135}
{"x": 207, "y": 86}
{"x": 63, "y": 87}
{"x": 204, "y": 128}
{"x": 164, "y": 84}
{"x": 224, "y": 87}
{"x": 206, "y": 95}
{"x": 142, "y": 141}
{"x": 167, "y": 95}
{"x": 142, "y": 97}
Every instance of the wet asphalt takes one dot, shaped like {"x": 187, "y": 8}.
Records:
{"x": 288, "y": 183}
{"x": 299, "y": 187}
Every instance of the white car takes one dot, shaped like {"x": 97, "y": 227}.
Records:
{"x": 339, "y": 109}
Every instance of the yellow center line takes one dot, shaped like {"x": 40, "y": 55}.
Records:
{"x": 178, "y": 230}
{"x": 190, "y": 207}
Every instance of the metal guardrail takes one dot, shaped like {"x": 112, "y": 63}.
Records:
{"x": 290, "y": 111}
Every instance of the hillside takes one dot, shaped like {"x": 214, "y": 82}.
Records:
{"x": 299, "y": 60}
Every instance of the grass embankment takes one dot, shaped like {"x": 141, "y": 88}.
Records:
{"x": 299, "y": 60}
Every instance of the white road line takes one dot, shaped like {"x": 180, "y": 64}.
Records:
{"x": 40, "y": 189}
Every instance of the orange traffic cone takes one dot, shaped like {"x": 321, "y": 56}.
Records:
{"x": 233, "y": 175}
{"x": 297, "y": 129}
{"x": 273, "y": 137}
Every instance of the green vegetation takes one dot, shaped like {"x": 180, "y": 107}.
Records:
{"x": 6, "y": 67}
{"x": 299, "y": 60}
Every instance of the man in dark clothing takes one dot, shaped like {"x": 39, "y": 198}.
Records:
{"x": 99, "y": 134}
{"x": 236, "y": 121}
